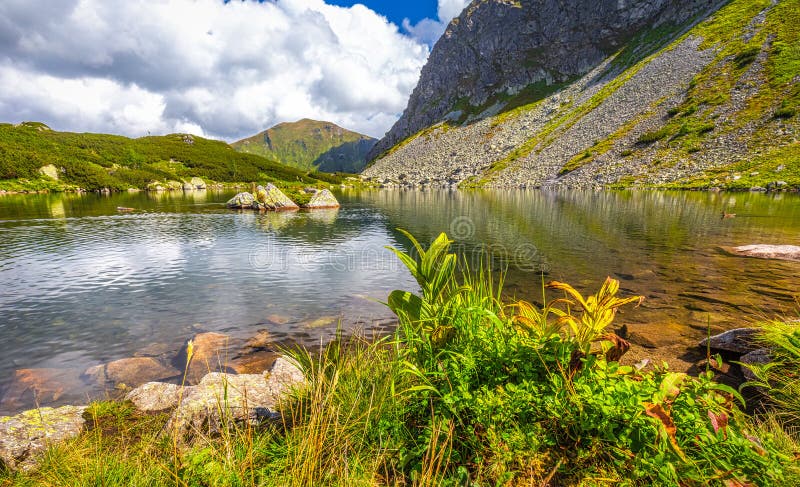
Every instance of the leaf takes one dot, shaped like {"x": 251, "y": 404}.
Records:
{"x": 658, "y": 412}
{"x": 408, "y": 304}
{"x": 670, "y": 387}
{"x": 719, "y": 422}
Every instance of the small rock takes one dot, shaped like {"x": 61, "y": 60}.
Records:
{"x": 138, "y": 370}
{"x": 756, "y": 357}
{"x": 763, "y": 251}
{"x": 157, "y": 396}
{"x": 322, "y": 199}
{"x": 738, "y": 340}
{"x": 241, "y": 200}
{"x": 210, "y": 355}
{"x": 24, "y": 436}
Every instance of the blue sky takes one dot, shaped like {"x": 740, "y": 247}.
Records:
{"x": 217, "y": 68}
{"x": 397, "y": 10}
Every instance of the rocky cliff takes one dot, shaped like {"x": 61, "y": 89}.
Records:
{"x": 623, "y": 92}
{"x": 310, "y": 144}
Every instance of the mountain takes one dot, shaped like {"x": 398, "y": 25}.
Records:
{"x": 653, "y": 93}
{"x": 34, "y": 157}
{"x": 309, "y": 144}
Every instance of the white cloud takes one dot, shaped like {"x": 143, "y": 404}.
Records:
{"x": 227, "y": 70}
{"x": 430, "y": 30}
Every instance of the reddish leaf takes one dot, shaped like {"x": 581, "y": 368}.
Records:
{"x": 658, "y": 412}
{"x": 719, "y": 422}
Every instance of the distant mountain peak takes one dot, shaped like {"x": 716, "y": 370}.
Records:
{"x": 311, "y": 144}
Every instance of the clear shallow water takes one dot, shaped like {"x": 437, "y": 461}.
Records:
{"x": 82, "y": 284}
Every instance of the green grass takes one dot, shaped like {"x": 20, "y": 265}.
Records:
{"x": 470, "y": 390}
{"x": 95, "y": 161}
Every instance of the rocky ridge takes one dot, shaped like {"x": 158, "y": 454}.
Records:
{"x": 696, "y": 112}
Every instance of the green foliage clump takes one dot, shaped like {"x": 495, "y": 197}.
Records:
{"x": 653, "y": 136}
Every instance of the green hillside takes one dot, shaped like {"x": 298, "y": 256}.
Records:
{"x": 309, "y": 144}
{"x": 94, "y": 161}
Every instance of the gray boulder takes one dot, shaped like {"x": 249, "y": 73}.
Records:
{"x": 157, "y": 396}
{"x": 25, "y": 436}
{"x": 322, "y": 199}
{"x": 756, "y": 357}
{"x": 739, "y": 341}
{"x": 221, "y": 399}
{"x": 241, "y": 200}
{"x": 269, "y": 197}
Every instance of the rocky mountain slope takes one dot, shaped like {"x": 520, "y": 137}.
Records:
{"x": 540, "y": 93}
{"x": 309, "y": 144}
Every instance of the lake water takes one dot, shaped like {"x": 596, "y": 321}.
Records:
{"x": 82, "y": 284}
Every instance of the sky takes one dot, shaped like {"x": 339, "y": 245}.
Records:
{"x": 224, "y": 70}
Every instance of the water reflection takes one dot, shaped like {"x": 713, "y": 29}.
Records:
{"x": 84, "y": 284}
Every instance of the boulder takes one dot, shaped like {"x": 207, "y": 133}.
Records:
{"x": 187, "y": 186}
{"x": 50, "y": 171}
{"x": 241, "y": 200}
{"x": 157, "y": 396}
{"x": 738, "y": 341}
{"x": 763, "y": 251}
{"x": 322, "y": 199}
{"x": 138, "y": 370}
{"x": 269, "y": 197}
{"x": 198, "y": 183}
{"x": 220, "y": 399}
{"x": 210, "y": 354}
{"x": 24, "y": 436}
{"x": 254, "y": 362}
{"x": 756, "y": 357}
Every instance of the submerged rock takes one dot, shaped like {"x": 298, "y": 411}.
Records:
{"x": 138, "y": 370}
{"x": 322, "y": 199}
{"x": 40, "y": 386}
{"x": 269, "y": 197}
{"x": 241, "y": 200}
{"x": 24, "y": 436}
{"x": 738, "y": 340}
{"x": 210, "y": 354}
{"x": 763, "y": 251}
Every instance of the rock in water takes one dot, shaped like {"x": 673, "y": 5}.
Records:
{"x": 762, "y": 251}
{"x": 24, "y": 436}
{"x": 272, "y": 198}
{"x": 198, "y": 183}
{"x": 322, "y": 199}
{"x": 738, "y": 340}
{"x": 138, "y": 370}
{"x": 210, "y": 354}
{"x": 241, "y": 200}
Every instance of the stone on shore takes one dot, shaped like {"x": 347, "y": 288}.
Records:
{"x": 198, "y": 183}
{"x": 738, "y": 341}
{"x": 220, "y": 399}
{"x": 25, "y": 436}
{"x": 322, "y": 199}
{"x": 763, "y": 251}
{"x": 269, "y": 197}
{"x": 156, "y": 396}
{"x": 756, "y": 357}
{"x": 241, "y": 200}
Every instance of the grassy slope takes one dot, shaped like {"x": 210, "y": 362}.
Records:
{"x": 94, "y": 161}
{"x": 309, "y": 144}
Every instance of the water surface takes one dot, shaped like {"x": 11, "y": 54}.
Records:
{"x": 84, "y": 284}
